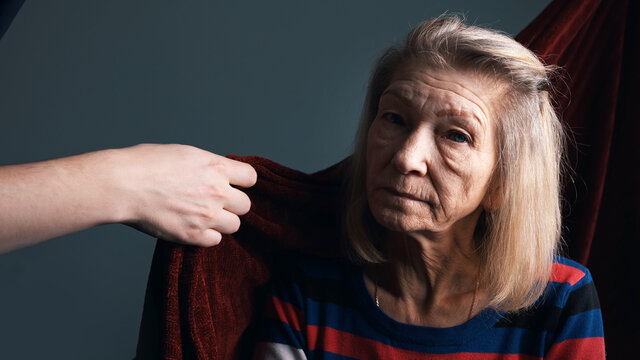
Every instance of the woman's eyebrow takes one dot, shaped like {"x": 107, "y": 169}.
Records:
{"x": 458, "y": 113}
{"x": 455, "y": 112}
{"x": 402, "y": 95}
{"x": 406, "y": 97}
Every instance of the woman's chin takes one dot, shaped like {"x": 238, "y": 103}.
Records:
{"x": 402, "y": 223}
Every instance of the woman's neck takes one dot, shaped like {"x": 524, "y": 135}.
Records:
{"x": 428, "y": 280}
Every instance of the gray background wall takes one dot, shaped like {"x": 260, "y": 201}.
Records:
{"x": 281, "y": 79}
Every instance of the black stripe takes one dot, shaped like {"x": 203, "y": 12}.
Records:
{"x": 583, "y": 299}
{"x": 546, "y": 318}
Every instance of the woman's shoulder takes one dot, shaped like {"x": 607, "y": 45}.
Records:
{"x": 570, "y": 293}
{"x": 570, "y": 286}
{"x": 570, "y": 290}
{"x": 567, "y": 271}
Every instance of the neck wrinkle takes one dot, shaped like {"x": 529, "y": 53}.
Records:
{"x": 422, "y": 270}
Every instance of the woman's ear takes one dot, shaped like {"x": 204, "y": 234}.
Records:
{"x": 493, "y": 198}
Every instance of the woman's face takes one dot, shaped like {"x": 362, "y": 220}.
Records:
{"x": 431, "y": 150}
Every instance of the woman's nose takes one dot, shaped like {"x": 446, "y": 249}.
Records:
{"x": 413, "y": 153}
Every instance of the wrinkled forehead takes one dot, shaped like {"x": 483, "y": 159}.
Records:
{"x": 459, "y": 89}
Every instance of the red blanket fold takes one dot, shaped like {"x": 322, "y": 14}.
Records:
{"x": 200, "y": 302}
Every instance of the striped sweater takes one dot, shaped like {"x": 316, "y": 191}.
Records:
{"x": 321, "y": 309}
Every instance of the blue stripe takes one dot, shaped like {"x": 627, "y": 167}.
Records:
{"x": 360, "y": 316}
{"x": 583, "y": 325}
{"x": 497, "y": 340}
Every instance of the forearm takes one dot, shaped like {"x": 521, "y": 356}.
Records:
{"x": 43, "y": 200}
{"x": 173, "y": 191}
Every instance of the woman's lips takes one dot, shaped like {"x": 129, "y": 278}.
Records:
{"x": 403, "y": 194}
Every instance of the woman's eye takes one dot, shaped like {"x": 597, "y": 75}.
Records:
{"x": 393, "y": 118}
{"x": 458, "y": 137}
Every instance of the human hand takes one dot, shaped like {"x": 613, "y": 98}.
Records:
{"x": 181, "y": 193}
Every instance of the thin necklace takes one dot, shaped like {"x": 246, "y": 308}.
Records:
{"x": 475, "y": 293}
{"x": 473, "y": 300}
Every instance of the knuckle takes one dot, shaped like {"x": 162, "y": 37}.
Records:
{"x": 190, "y": 236}
{"x": 206, "y": 214}
{"x": 216, "y": 192}
{"x": 217, "y": 165}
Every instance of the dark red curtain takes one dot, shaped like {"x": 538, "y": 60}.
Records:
{"x": 200, "y": 302}
{"x": 597, "y": 43}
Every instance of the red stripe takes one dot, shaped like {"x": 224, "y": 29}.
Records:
{"x": 583, "y": 349}
{"x": 347, "y": 344}
{"x": 285, "y": 312}
{"x": 566, "y": 273}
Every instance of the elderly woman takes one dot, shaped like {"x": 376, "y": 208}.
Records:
{"x": 452, "y": 219}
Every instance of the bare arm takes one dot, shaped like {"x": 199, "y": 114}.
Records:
{"x": 177, "y": 192}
